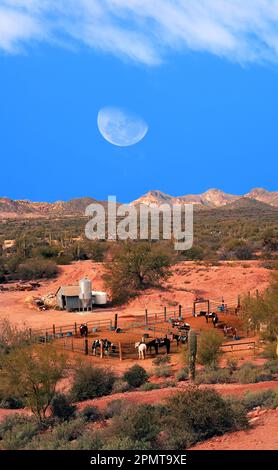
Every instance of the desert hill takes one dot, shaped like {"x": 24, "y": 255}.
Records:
{"x": 211, "y": 199}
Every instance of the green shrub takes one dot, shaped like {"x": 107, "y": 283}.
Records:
{"x": 17, "y": 431}
{"x": 209, "y": 347}
{"x": 213, "y": 376}
{"x": 125, "y": 443}
{"x": 270, "y": 351}
{"x": 149, "y": 386}
{"x": 265, "y": 399}
{"x": 271, "y": 366}
{"x": 37, "y": 269}
{"x": 61, "y": 407}
{"x": 60, "y": 437}
{"x": 90, "y": 440}
{"x": 91, "y": 413}
{"x": 11, "y": 403}
{"x": 249, "y": 373}
{"x": 232, "y": 365}
{"x": 91, "y": 382}
{"x": 160, "y": 360}
{"x": 115, "y": 408}
{"x": 182, "y": 374}
{"x": 162, "y": 371}
{"x": 201, "y": 414}
{"x": 120, "y": 386}
{"x": 138, "y": 423}
{"x": 135, "y": 376}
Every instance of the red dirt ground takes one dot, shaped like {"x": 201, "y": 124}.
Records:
{"x": 188, "y": 280}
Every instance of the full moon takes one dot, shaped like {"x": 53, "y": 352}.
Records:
{"x": 121, "y": 127}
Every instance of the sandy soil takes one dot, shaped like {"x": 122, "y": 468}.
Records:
{"x": 188, "y": 280}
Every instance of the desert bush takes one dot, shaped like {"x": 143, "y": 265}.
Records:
{"x": 162, "y": 371}
{"x": 201, "y": 414}
{"x": 61, "y": 407}
{"x": 115, "y": 408}
{"x": 11, "y": 403}
{"x": 182, "y": 374}
{"x": 213, "y": 376}
{"x": 125, "y": 443}
{"x": 135, "y": 376}
{"x": 60, "y": 437}
{"x": 169, "y": 383}
{"x": 160, "y": 360}
{"x": 209, "y": 348}
{"x": 120, "y": 386}
{"x": 91, "y": 413}
{"x": 11, "y": 336}
{"x": 138, "y": 423}
{"x": 91, "y": 382}
{"x": 135, "y": 266}
{"x": 89, "y": 440}
{"x": 265, "y": 399}
{"x": 232, "y": 364}
{"x": 249, "y": 373}
{"x": 17, "y": 431}
{"x": 31, "y": 374}
{"x": 37, "y": 269}
{"x": 270, "y": 350}
{"x": 149, "y": 386}
{"x": 271, "y": 366}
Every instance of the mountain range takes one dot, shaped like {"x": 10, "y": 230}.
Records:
{"x": 211, "y": 199}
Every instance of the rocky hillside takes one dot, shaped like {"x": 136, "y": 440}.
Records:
{"x": 212, "y": 198}
{"x": 27, "y": 209}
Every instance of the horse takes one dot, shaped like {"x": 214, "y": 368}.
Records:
{"x": 230, "y": 330}
{"x": 180, "y": 338}
{"x": 184, "y": 326}
{"x": 152, "y": 344}
{"x": 106, "y": 345}
{"x": 83, "y": 329}
{"x": 142, "y": 350}
{"x": 159, "y": 343}
{"x": 95, "y": 345}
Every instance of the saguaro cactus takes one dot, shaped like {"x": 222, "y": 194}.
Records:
{"x": 192, "y": 352}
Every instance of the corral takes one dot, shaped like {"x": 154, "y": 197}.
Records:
{"x": 122, "y": 335}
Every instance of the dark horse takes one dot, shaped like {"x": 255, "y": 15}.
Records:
{"x": 180, "y": 338}
{"x": 83, "y": 329}
{"x": 159, "y": 343}
{"x": 106, "y": 345}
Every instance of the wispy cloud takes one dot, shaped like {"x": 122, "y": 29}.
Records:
{"x": 146, "y": 30}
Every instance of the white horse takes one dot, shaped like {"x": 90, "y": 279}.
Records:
{"x": 142, "y": 350}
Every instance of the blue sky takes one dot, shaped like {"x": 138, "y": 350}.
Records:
{"x": 209, "y": 97}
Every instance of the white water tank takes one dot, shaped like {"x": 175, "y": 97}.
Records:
{"x": 99, "y": 298}
{"x": 85, "y": 294}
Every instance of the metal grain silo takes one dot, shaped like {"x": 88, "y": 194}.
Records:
{"x": 85, "y": 293}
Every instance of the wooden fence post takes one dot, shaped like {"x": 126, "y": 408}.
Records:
{"x": 46, "y": 337}
{"x": 120, "y": 352}
{"x": 86, "y": 347}
{"x": 30, "y": 333}
{"x": 72, "y": 348}
{"x": 116, "y": 321}
{"x": 180, "y": 307}
{"x": 101, "y": 350}
{"x": 53, "y": 329}
{"x": 146, "y": 316}
{"x": 75, "y": 329}
{"x": 165, "y": 313}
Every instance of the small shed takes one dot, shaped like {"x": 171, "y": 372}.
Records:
{"x": 68, "y": 298}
